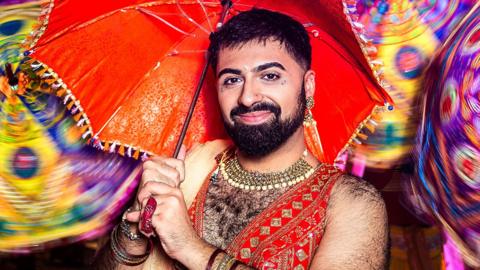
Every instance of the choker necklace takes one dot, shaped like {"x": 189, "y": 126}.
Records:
{"x": 238, "y": 177}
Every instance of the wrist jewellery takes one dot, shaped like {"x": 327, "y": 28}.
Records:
{"x": 123, "y": 257}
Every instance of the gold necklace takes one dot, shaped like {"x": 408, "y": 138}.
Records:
{"x": 238, "y": 177}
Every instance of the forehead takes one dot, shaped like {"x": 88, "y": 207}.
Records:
{"x": 254, "y": 53}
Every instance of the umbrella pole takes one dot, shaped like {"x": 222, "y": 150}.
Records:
{"x": 225, "y": 7}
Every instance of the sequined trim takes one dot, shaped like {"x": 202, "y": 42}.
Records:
{"x": 51, "y": 82}
{"x": 359, "y": 135}
{"x": 376, "y": 65}
{"x": 37, "y": 32}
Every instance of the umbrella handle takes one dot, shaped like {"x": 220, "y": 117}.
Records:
{"x": 226, "y": 5}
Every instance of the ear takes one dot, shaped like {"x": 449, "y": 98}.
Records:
{"x": 309, "y": 83}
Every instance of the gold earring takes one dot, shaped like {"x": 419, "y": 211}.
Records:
{"x": 308, "y": 114}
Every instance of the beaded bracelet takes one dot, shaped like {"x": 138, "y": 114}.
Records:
{"x": 125, "y": 228}
{"x": 123, "y": 257}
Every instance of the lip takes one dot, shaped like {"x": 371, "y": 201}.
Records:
{"x": 255, "y": 118}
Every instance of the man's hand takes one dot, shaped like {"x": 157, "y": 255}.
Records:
{"x": 171, "y": 223}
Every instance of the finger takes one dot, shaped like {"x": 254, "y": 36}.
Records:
{"x": 162, "y": 174}
{"x": 133, "y": 217}
{"x": 179, "y": 167}
{"x": 149, "y": 175}
{"x": 170, "y": 167}
{"x": 155, "y": 188}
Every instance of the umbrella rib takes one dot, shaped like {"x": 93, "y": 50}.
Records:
{"x": 200, "y": 2}
{"x": 162, "y": 20}
{"x": 108, "y": 121}
{"x": 190, "y": 18}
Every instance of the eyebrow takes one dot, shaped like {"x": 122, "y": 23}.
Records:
{"x": 256, "y": 69}
{"x": 268, "y": 65}
{"x": 229, "y": 70}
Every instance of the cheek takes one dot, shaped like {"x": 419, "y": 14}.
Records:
{"x": 288, "y": 102}
{"x": 226, "y": 104}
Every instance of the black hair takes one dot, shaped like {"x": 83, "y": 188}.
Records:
{"x": 262, "y": 25}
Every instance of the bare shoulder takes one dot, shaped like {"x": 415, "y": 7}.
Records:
{"x": 350, "y": 189}
{"x": 356, "y": 231}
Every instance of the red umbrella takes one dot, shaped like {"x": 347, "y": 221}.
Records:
{"x": 128, "y": 69}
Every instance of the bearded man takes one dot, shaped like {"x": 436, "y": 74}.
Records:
{"x": 264, "y": 202}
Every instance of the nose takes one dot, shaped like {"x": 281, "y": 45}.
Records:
{"x": 250, "y": 94}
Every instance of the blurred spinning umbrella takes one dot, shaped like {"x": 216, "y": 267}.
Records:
{"x": 54, "y": 189}
{"x": 128, "y": 70}
{"x": 448, "y": 188}
{"x": 17, "y": 20}
{"x": 405, "y": 35}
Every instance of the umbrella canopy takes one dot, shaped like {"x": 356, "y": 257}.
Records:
{"x": 129, "y": 68}
{"x": 448, "y": 187}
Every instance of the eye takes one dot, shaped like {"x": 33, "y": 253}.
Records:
{"x": 271, "y": 77}
{"x": 232, "y": 81}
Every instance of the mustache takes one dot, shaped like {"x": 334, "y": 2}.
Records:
{"x": 255, "y": 108}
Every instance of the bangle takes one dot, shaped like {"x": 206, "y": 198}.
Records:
{"x": 125, "y": 228}
{"x": 123, "y": 257}
{"x": 235, "y": 264}
{"x": 226, "y": 262}
{"x": 212, "y": 258}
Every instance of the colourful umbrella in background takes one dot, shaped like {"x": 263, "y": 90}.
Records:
{"x": 404, "y": 35}
{"x": 54, "y": 189}
{"x": 129, "y": 69}
{"x": 448, "y": 187}
{"x": 17, "y": 20}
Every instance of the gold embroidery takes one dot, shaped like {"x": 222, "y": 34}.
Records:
{"x": 287, "y": 213}
{"x": 276, "y": 222}
{"x": 307, "y": 197}
{"x": 301, "y": 255}
{"x": 254, "y": 241}
{"x": 299, "y": 267}
{"x": 297, "y": 205}
{"x": 284, "y": 257}
{"x": 245, "y": 253}
{"x": 303, "y": 242}
{"x": 264, "y": 230}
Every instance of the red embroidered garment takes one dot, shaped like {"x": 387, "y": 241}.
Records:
{"x": 287, "y": 233}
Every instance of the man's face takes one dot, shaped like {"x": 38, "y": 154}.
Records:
{"x": 261, "y": 95}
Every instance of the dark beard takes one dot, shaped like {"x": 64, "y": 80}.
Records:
{"x": 260, "y": 140}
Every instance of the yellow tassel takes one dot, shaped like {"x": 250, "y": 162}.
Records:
{"x": 121, "y": 150}
{"x": 362, "y": 136}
